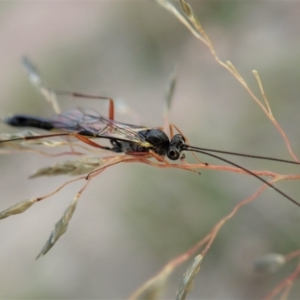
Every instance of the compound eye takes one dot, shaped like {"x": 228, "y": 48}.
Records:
{"x": 173, "y": 154}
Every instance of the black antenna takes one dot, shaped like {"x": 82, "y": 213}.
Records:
{"x": 246, "y": 155}
{"x": 201, "y": 150}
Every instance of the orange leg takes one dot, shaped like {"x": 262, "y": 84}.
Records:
{"x": 178, "y": 130}
{"x": 111, "y": 109}
{"x": 51, "y": 94}
{"x": 88, "y": 141}
{"x": 147, "y": 154}
{"x": 159, "y": 158}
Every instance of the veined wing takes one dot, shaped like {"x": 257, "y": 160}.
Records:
{"x": 122, "y": 131}
{"x": 90, "y": 121}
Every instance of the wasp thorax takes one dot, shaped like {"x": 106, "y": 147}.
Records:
{"x": 158, "y": 140}
{"x": 156, "y": 137}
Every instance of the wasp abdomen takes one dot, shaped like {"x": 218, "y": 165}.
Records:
{"x": 29, "y": 121}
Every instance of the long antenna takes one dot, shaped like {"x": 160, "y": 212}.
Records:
{"x": 247, "y": 155}
{"x": 200, "y": 150}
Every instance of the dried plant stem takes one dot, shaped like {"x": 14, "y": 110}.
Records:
{"x": 188, "y": 19}
{"x": 285, "y": 284}
{"x": 207, "y": 241}
{"x": 292, "y": 255}
{"x": 212, "y": 235}
{"x": 60, "y": 188}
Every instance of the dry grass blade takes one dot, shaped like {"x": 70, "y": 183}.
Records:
{"x": 152, "y": 291}
{"x": 9, "y": 136}
{"x": 170, "y": 87}
{"x": 284, "y": 286}
{"x": 193, "y": 270}
{"x": 17, "y": 208}
{"x": 157, "y": 282}
{"x": 32, "y": 72}
{"x": 256, "y": 75}
{"x": 186, "y": 284}
{"x": 186, "y": 8}
{"x": 83, "y": 165}
{"x": 189, "y": 19}
{"x": 188, "y": 11}
{"x": 37, "y": 81}
{"x": 153, "y": 288}
{"x": 43, "y": 142}
{"x": 172, "y": 9}
{"x": 17, "y": 138}
{"x": 60, "y": 227}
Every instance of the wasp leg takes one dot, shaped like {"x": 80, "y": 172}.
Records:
{"x": 51, "y": 94}
{"x": 91, "y": 143}
{"x": 111, "y": 109}
{"x": 159, "y": 158}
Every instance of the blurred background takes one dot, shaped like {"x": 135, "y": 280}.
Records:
{"x": 133, "y": 218}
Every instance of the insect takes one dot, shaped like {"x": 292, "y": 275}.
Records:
{"x": 128, "y": 142}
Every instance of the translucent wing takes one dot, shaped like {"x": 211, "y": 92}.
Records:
{"x": 89, "y": 121}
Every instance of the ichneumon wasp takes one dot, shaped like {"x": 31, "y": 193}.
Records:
{"x": 128, "y": 143}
